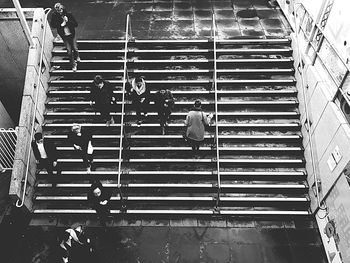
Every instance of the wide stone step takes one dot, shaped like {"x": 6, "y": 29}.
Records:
{"x": 178, "y": 136}
{"x": 179, "y": 200}
{"x": 261, "y": 82}
{"x": 223, "y": 161}
{"x": 83, "y": 92}
{"x": 176, "y": 212}
{"x": 180, "y": 174}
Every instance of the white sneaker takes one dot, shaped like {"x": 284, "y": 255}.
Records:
{"x": 75, "y": 66}
{"x": 88, "y": 170}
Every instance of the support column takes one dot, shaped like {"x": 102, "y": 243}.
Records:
{"x": 23, "y": 22}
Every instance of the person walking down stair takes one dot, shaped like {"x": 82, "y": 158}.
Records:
{"x": 164, "y": 102}
{"x": 102, "y": 95}
{"x": 99, "y": 197}
{"x": 65, "y": 24}
{"x": 81, "y": 140}
{"x": 140, "y": 96}
{"x": 195, "y": 123}
{"x": 45, "y": 153}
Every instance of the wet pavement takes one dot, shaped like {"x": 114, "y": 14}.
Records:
{"x": 187, "y": 240}
{"x": 159, "y": 19}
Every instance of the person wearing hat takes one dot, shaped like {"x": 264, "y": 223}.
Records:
{"x": 66, "y": 24}
{"x": 102, "y": 95}
{"x": 140, "y": 96}
{"x": 45, "y": 154}
{"x": 81, "y": 140}
{"x": 195, "y": 123}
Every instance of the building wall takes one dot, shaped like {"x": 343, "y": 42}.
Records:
{"x": 5, "y": 119}
{"x": 32, "y": 111}
{"x": 13, "y": 59}
{"x": 329, "y": 134}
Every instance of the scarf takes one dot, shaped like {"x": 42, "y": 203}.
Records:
{"x": 139, "y": 90}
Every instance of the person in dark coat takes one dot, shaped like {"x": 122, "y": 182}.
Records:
{"x": 64, "y": 248}
{"x": 102, "y": 95}
{"x": 82, "y": 142}
{"x": 140, "y": 96}
{"x": 195, "y": 123}
{"x": 81, "y": 246}
{"x": 66, "y": 24}
{"x": 99, "y": 197}
{"x": 45, "y": 154}
{"x": 164, "y": 102}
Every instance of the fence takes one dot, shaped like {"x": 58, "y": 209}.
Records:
{"x": 8, "y": 139}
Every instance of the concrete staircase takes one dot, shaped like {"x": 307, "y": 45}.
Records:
{"x": 259, "y": 155}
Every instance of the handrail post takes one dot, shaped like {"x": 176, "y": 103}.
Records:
{"x": 217, "y": 204}
{"x": 121, "y": 135}
{"x": 20, "y": 202}
{"x": 129, "y": 26}
{"x": 319, "y": 205}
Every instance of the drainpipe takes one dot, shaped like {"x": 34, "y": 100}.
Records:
{"x": 23, "y": 22}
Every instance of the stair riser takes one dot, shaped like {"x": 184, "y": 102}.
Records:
{"x": 183, "y": 205}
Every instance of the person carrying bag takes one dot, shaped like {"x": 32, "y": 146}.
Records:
{"x": 195, "y": 124}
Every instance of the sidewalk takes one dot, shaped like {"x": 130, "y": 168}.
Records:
{"x": 192, "y": 241}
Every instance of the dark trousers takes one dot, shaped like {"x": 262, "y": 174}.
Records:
{"x": 163, "y": 115}
{"x": 141, "y": 106}
{"x": 48, "y": 165}
{"x": 103, "y": 212}
{"x": 194, "y": 144}
{"x": 105, "y": 111}
{"x": 72, "y": 48}
{"x": 87, "y": 158}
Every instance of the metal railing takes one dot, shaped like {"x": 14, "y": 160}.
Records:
{"x": 20, "y": 202}
{"x": 8, "y": 140}
{"x": 216, "y": 117}
{"x": 307, "y": 114}
{"x": 125, "y": 80}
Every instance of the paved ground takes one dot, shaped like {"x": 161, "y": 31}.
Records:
{"x": 172, "y": 18}
{"x": 181, "y": 240}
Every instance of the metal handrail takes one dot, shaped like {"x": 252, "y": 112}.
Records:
{"x": 319, "y": 206}
{"x": 216, "y": 115}
{"x": 125, "y": 74}
{"x": 36, "y": 85}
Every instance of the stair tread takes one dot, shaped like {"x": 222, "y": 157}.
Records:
{"x": 147, "y": 136}
{"x": 196, "y": 173}
{"x": 177, "y": 185}
{"x": 228, "y": 102}
{"x": 177, "y": 148}
{"x": 167, "y": 198}
{"x": 151, "y": 160}
{"x": 175, "y": 212}
{"x": 182, "y": 92}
